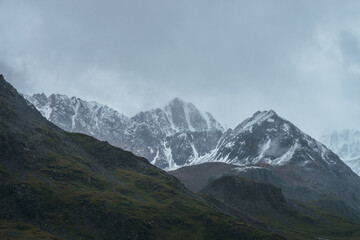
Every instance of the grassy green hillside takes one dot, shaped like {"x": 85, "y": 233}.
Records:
{"x": 20, "y": 231}
{"x": 65, "y": 197}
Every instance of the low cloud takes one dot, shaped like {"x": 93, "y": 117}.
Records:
{"x": 231, "y": 58}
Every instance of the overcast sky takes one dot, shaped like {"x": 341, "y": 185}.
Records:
{"x": 231, "y": 58}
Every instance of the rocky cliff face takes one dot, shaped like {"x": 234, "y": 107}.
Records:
{"x": 175, "y": 135}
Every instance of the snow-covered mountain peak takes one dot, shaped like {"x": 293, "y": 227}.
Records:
{"x": 180, "y": 134}
{"x": 266, "y": 113}
{"x": 266, "y": 138}
{"x": 256, "y": 120}
{"x": 179, "y": 116}
{"x": 169, "y": 136}
{"x": 75, "y": 114}
{"x": 176, "y": 102}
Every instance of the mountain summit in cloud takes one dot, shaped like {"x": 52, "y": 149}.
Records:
{"x": 346, "y": 144}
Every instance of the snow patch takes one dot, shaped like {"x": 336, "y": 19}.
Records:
{"x": 73, "y": 117}
{"x": 230, "y": 144}
{"x": 284, "y": 159}
{"x": 155, "y": 158}
{"x": 46, "y": 111}
{"x": 169, "y": 116}
{"x": 264, "y": 148}
{"x": 286, "y": 127}
{"x": 246, "y": 168}
{"x": 256, "y": 119}
{"x": 195, "y": 153}
{"x": 187, "y": 117}
{"x": 168, "y": 154}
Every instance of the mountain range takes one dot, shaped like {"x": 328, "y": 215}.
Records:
{"x": 60, "y": 185}
{"x": 265, "y": 179}
{"x": 177, "y": 134}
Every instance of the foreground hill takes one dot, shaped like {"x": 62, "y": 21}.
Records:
{"x": 253, "y": 190}
{"x": 73, "y": 186}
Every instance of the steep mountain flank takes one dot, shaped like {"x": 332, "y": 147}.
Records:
{"x": 76, "y": 187}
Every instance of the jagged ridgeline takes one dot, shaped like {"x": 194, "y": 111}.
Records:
{"x": 306, "y": 169}
{"x": 60, "y": 185}
{"x": 177, "y": 134}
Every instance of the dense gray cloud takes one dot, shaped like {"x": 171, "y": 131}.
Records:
{"x": 231, "y": 58}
